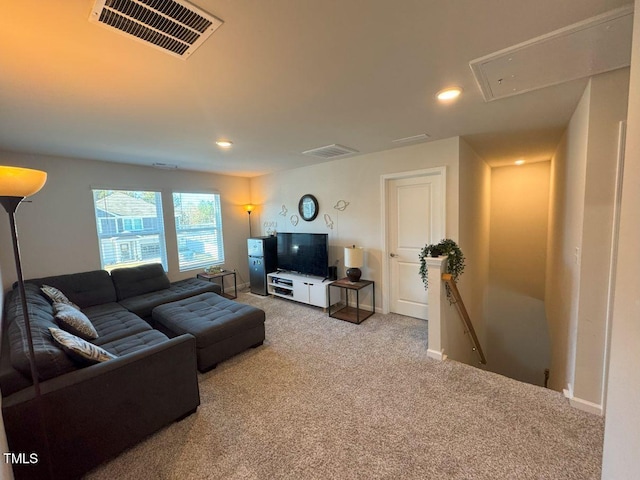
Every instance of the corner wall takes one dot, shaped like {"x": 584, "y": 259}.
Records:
{"x": 57, "y": 230}
{"x": 474, "y": 214}
{"x": 579, "y": 244}
{"x": 622, "y": 427}
{"x": 517, "y": 335}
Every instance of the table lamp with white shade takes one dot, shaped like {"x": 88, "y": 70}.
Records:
{"x": 353, "y": 260}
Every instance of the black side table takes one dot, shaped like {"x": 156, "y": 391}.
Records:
{"x": 213, "y": 277}
{"x": 347, "y": 312}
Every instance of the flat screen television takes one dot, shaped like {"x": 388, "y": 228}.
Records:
{"x": 306, "y": 253}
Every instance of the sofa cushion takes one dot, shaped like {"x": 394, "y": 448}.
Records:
{"x": 210, "y": 318}
{"x": 113, "y": 324}
{"x": 56, "y": 296}
{"x": 51, "y": 361}
{"x": 74, "y": 321}
{"x": 142, "y": 305}
{"x": 133, "y": 281}
{"x": 136, "y": 342}
{"x": 80, "y": 350}
{"x": 84, "y": 289}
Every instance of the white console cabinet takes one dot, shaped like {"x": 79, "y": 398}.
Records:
{"x": 301, "y": 288}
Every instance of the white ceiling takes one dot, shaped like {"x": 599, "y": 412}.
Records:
{"x": 278, "y": 78}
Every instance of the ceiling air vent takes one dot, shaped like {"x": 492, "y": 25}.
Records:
{"x": 330, "y": 151}
{"x": 174, "y": 26}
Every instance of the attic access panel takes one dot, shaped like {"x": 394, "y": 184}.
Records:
{"x": 174, "y": 26}
{"x": 596, "y": 45}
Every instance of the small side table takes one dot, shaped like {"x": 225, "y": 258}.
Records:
{"x": 347, "y": 312}
{"x": 213, "y": 277}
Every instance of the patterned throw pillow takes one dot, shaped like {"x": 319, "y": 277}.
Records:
{"x": 56, "y": 295}
{"x": 74, "y": 321}
{"x": 79, "y": 349}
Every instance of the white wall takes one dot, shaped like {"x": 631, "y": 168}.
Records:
{"x": 609, "y": 97}
{"x": 580, "y": 225}
{"x": 357, "y": 181}
{"x": 566, "y": 207}
{"x": 517, "y": 335}
{"x": 622, "y": 427}
{"x": 57, "y": 231}
{"x": 474, "y": 213}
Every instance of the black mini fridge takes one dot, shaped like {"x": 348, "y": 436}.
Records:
{"x": 262, "y": 260}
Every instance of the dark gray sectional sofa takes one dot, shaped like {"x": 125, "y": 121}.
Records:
{"x": 92, "y": 413}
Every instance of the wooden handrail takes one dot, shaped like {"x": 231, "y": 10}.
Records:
{"x": 453, "y": 288}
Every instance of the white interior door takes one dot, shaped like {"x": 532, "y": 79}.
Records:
{"x": 415, "y": 207}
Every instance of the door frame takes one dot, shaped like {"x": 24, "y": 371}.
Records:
{"x": 384, "y": 222}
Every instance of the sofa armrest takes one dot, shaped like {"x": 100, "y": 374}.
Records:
{"x": 94, "y": 413}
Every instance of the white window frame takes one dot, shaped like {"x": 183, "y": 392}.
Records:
{"x": 125, "y": 247}
{"x": 208, "y": 253}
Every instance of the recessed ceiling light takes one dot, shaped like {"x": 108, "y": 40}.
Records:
{"x": 224, "y": 143}
{"x": 448, "y": 94}
{"x": 519, "y": 162}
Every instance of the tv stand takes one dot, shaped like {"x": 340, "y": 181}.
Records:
{"x": 301, "y": 288}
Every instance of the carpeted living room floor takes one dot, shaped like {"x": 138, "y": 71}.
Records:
{"x": 326, "y": 399}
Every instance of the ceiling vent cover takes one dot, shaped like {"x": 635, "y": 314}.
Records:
{"x": 174, "y": 26}
{"x": 330, "y": 151}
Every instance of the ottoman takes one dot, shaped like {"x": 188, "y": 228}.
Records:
{"x": 223, "y": 328}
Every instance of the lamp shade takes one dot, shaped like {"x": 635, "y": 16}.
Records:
{"x": 249, "y": 207}
{"x": 20, "y": 182}
{"x": 353, "y": 257}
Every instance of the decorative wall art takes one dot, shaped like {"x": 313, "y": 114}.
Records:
{"x": 294, "y": 220}
{"x": 284, "y": 211}
{"x": 270, "y": 228}
{"x": 328, "y": 221}
{"x": 308, "y": 207}
{"x": 341, "y": 205}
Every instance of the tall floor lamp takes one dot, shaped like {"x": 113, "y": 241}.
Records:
{"x": 15, "y": 185}
{"x": 249, "y": 208}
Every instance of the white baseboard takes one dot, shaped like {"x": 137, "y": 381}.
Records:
{"x": 580, "y": 404}
{"x": 436, "y": 355}
{"x": 568, "y": 392}
{"x": 586, "y": 406}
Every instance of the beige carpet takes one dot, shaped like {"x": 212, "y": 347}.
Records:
{"x": 326, "y": 399}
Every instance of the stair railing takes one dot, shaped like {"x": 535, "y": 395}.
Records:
{"x": 464, "y": 315}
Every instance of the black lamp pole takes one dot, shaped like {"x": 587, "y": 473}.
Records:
{"x": 10, "y": 204}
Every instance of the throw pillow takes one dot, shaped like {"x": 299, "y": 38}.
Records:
{"x": 74, "y": 321}
{"x": 56, "y": 295}
{"x": 78, "y": 349}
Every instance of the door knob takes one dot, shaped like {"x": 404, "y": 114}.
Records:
{"x": 392, "y": 255}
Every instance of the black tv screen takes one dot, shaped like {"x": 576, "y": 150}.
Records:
{"x": 306, "y": 253}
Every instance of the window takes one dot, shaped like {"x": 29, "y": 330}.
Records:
{"x": 199, "y": 229}
{"x": 130, "y": 228}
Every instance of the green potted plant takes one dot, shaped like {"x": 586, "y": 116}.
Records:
{"x": 455, "y": 259}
